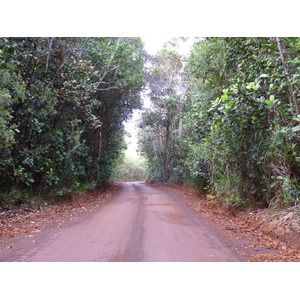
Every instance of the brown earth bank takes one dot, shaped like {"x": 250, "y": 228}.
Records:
{"x": 260, "y": 235}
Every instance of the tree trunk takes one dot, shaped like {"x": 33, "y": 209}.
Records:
{"x": 48, "y": 54}
{"x": 166, "y": 153}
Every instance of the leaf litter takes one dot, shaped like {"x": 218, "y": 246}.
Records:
{"x": 264, "y": 235}
{"x": 17, "y": 225}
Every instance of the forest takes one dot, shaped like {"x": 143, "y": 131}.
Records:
{"x": 63, "y": 102}
{"x": 223, "y": 119}
{"x": 226, "y": 119}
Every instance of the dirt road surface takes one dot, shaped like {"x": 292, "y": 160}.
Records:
{"x": 140, "y": 224}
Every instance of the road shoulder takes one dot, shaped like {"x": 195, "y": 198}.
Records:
{"x": 21, "y": 231}
{"x": 250, "y": 233}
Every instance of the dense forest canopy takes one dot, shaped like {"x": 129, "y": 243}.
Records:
{"x": 224, "y": 119}
{"x": 63, "y": 102}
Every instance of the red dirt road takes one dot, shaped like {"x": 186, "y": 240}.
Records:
{"x": 141, "y": 223}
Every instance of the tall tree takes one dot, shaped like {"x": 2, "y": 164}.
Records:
{"x": 62, "y": 106}
{"x": 163, "y": 121}
{"x": 239, "y": 130}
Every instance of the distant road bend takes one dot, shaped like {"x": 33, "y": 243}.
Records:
{"x": 141, "y": 223}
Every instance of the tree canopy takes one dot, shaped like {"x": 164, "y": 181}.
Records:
{"x": 235, "y": 131}
{"x": 224, "y": 119}
{"x": 63, "y": 102}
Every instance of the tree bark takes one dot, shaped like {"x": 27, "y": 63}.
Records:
{"x": 48, "y": 54}
{"x": 166, "y": 153}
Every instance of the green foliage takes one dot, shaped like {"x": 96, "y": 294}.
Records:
{"x": 130, "y": 169}
{"x": 63, "y": 102}
{"x": 24, "y": 198}
{"x": 242, "y": 143}
{"x": 161, "y": 125}
{"x": 239, "y": 132}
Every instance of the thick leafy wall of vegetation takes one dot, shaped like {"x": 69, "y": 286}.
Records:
{"x": 63, "y": 102}
{"x": 235, "y": 126}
